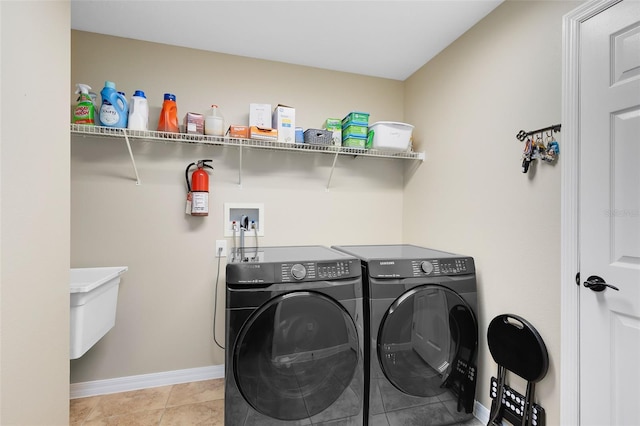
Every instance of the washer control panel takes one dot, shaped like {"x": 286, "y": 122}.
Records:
{"x": 409, "y": 268}
{"x": 441, "y": 267}
{"x": 311, "y": 271}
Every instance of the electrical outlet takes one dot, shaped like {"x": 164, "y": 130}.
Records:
{"x": 221, "y": 244}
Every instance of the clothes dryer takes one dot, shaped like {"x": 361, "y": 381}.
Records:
{"x": 294, "y": 338}
{"x": 421, "y": 306}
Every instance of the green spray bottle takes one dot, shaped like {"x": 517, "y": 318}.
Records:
{"x": 85, "y": 110}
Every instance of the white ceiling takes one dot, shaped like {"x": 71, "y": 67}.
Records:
{"x": 389, "y": 39}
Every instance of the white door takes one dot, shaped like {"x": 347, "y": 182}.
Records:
{"x": 609, "y": 216}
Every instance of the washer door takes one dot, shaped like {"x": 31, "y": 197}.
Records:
{"x": 296, "y": 355}
{"x": 427, "y": 336}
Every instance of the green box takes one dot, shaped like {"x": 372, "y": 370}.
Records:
{"x": 354, "y": 130}
{"x": 333, "y": 124}
{"x": 354, "y": 142}
{"x": 359, "y": 118}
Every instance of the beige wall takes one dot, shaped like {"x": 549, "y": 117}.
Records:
{"x": 34, "y": 214}
{"x": 470, "y": 196}
{"x": 166, "y": 300}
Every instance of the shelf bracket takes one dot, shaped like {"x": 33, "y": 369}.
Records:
{"x": 133, "y": 161}
{"x": 333, "y": 166}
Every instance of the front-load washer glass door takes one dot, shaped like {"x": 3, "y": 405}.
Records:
{"x": 296, "y": 355}
{"x": 427, "y": 342}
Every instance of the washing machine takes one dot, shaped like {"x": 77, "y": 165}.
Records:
{"x": 294, "y": 338}
{"x": 421, "y": 310}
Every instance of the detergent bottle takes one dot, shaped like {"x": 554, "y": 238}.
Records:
{"x": 168, "y": 121}
{"x": 84, "y": 112}
{"x": 114, "y": 109}
{"x": 138, "y": 112}
{"x": 214, "y": 122}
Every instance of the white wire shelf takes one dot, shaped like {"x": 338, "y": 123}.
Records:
{"x": 183, "y": 138}
{"x": 167, "y": 137}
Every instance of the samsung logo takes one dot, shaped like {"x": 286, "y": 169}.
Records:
{"x": 388, "y": 263}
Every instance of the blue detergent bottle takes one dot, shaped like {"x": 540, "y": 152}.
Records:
{"x": 114, "y": 109}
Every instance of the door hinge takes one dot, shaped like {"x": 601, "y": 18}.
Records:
{"x": 578, "y": 279}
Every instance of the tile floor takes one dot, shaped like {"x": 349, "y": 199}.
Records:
{"x": 196, "y": 403}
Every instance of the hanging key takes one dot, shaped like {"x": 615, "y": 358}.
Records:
{"x": 526, "y": 155}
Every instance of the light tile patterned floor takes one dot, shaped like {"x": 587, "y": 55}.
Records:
{"x": 196, "y": 403}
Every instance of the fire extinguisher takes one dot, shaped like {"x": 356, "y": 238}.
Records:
{"x": 198, "y": 195}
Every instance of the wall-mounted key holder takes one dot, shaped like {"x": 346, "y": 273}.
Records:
{"x": 539, "y": 145}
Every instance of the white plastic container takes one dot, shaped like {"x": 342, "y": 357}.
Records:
{"x": 138, "y": 112}
{"x": 391, "y": 135}
{"x": 214, "y": 122}
{"x": 94, "y": 296}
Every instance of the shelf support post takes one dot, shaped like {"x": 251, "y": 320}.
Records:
{"x": 133, "y": 161}
{"x": 240, "y": 169}
{"x": 333, "y": 166}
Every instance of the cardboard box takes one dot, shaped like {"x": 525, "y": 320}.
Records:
{"x": 260, "y": 115}
{"x": 236, "y": 131}
{"x": 194, "y": 123}
{"x": 284, "y": 121}
{"x": 261, "y": 133}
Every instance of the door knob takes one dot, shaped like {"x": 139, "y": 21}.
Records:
{"x": 596, "y": 283}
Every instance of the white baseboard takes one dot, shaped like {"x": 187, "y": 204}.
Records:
{"x": 481, "y": 413}
{"x": 142, "y": 381}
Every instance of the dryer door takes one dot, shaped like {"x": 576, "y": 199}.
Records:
{"x": 427, "y": 342}
{"x": 296, "y": 355}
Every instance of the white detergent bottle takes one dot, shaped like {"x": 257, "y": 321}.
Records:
{"x": 214, "y": 122}
{"x": 138, "y": 112}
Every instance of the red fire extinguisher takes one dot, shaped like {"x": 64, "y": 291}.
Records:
{"x": 198, "y": 195}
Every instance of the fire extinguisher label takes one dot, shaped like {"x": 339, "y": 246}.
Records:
{"x": 188, "y": 209}
{"x": 200, "y": 203}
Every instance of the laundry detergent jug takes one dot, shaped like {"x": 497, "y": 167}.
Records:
{"x": 214, "y": 122}
{"x": 168, "y": 121}
{"x": 114, "y": 110}
{"x": 138, "y": 112}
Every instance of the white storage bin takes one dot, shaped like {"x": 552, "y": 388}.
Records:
{"x": 391, "y": 135}
{"x": 94, "y": 296}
